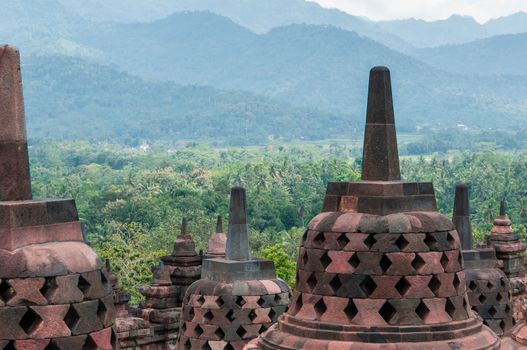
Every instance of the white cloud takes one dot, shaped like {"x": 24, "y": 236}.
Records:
{"x": 481, "y": 10}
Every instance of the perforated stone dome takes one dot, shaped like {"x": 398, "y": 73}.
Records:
{"x": 53, "y": 291}
{"x": 379, "y": 265}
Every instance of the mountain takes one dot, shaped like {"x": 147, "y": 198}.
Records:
{"x": 319, "y": 67}
{"x": 454, "y": 30}
{"x": 503, "y": 54}
{"x": 68, "y": 98}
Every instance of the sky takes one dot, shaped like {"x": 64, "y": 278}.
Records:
{"x": 481, "y": 10}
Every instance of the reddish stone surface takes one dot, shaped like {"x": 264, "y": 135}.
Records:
{"x": 52, "y": 293}
{"x": 380, "y": 268}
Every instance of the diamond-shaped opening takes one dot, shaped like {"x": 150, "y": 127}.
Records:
{"x": 30, "y": 321}
{"x": 320, "y": 307}
{"x": 188, "y": 345}
{"x": 503, "y": 283}
{"x": 83, "y": 284}
{"x": 335, "y": 283}
{"x": 183, "y": 327}
{"x": 444, "y": 261}
{"x": 298, "y": 303}
{"x": 240, "y": 301}
{"x": 354, "y": 261}
{"x": 402, "y": 286}
{"x": 198, "y": 331}
{"x": 208, "y": 316}
{"x": 104, "y": 280}
{"x": 460, "y": 259}
{"x": 502, "y": 325}
{"x": 71, "y": 318}
{"x": 370, "y": 241}
{"x": 319, "y": 239}
{"x": 368, "y": 286}
{"x": 220, "y": 302}
{"x": 101, "y": 311}
{"x": 191, "y": 314}
{"x": 351, "y": 310}
{"x": 430, "y": 241}
{"x": 262, "y": 329}
{"x": 305, "y": 258}
{"x": 499, "y": 298}
{"x": 206, "y": 346}
{"x": 241, "y": 332}
{"x": 90, "y": 344}
{"x": 422, "y": 311}
{"x": 456, "y": 282}
{"x": 261, "y": 302}
{"x": 272, "y": 315}
{"x": 472, "y": 286}
{"x": 52, "y": 346}
{"x": 385, "y": 263}
{"x": 201, "y": 300}
{"x": 450, "y": 308}
{"x": 49, "y": 286}
{"x": 482, "y": 298}
{"x": 493, "y": 311}
{"x": 418, "y": 263}
{"x": 10, "y": 345}
{"x": 325, "y": 260}
{"x": 230, "y": 315}
{"x": 304, "y": 237}
{"x": 434, "y": 284}
{"x": 277, "y": 299}
{"x": 252, "y": 315}
{"x": 228, "y": 347}
{"x": 451, "y": 240}
{"x": 6, "y": 291}
{"x": 387, "y": 311}
{"x": 507, "y": 309}
{"x": 343, "y": 240}
{"x": 401, "y": 242}
{"x": 219, "y": 333}
{"x": 490, "y": 285}
{"x": 312, "y": 281}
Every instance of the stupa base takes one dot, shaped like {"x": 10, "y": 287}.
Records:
{"x": 294, "y": 334}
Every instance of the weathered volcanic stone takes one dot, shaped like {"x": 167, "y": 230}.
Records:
{"x": 488, "y": 288}
{"x": 52, "y": 291}
{"x": 379, "y": 268}
{"x": 507, "y": 244}
{"x": 217, "y": 244}
{"x": 237, "y": 298}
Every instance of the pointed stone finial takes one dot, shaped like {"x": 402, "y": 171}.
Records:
{"x": 15, "y": 183}
{"x": 219, "y": 224}
{"x": 502, "y": 208}
{"x": 380, "y": 160}
{"x": 461, "y": 216}
{"x": 238, "y": 235}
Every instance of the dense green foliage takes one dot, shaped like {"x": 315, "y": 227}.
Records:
{"x": 131, "y": 201}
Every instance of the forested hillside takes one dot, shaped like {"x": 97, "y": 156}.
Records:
{"x": 70, "y": 99}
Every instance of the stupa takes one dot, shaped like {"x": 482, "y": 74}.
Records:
{"x": 508, "y": 247}
{"x": 237, "y": 298}
{"x": 53, "y": 294}
{"x": 379, "y": 268}
{"x": 218, "y": 241}
{"x": 488, "y": 287}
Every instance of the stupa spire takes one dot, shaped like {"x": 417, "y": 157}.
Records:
{"x": 15, "y": 183}
{"x": 461, "y": 216}
{"x": 238, "y": 235}
{"x": 380, "y": 161}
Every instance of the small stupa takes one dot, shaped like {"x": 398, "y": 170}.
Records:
{"x": 53, "y": 293}
{"x": 379, "y": 268}
{"x": 237, "y": 298}
{"x": 218, "y": 241}
{"x": 488, "y": 287}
